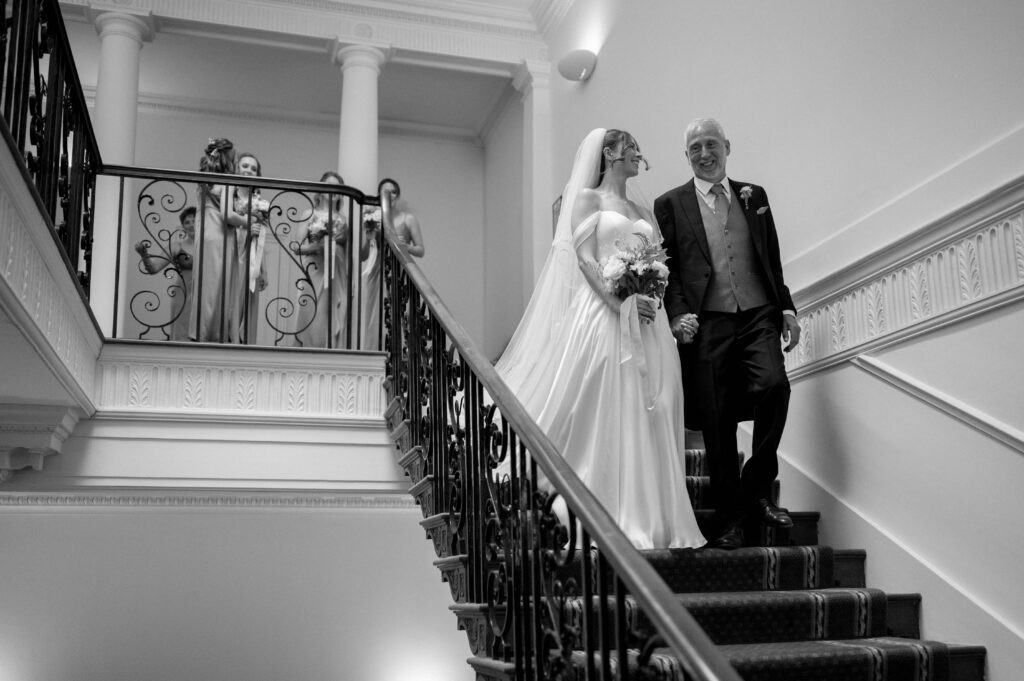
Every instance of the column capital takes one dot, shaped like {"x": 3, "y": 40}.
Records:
{"x": 347, "y": 55}
{"x": 530, "y": 74}
{"x": 138, "y": 25}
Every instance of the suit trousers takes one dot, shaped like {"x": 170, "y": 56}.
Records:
{"x": 739, "y": 362}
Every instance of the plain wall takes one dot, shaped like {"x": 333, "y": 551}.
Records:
{"x": 503, "y": 239}
{"x": 838, "y": 109}
{"x": 209, "y": 594}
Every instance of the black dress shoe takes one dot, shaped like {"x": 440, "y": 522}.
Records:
{"x": 731, "y": 539}
{"x": 770, "y": 514}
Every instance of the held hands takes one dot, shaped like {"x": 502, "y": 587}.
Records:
{"x": 685, "y": 327}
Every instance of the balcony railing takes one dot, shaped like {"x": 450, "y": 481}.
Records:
{"x": 253, "y": 261}
{"x": 46, "y": 123}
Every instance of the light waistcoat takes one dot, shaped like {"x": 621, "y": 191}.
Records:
{"x": 736, "y": 280}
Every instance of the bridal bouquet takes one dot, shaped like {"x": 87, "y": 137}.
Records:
{"x": 257, "y": 207}
{"x": 639, "y": 268}
{"x": 318, "y": 224}
{"x": 372, "y": 218}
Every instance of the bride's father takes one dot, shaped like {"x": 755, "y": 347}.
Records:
{"x": 725, "y": 268}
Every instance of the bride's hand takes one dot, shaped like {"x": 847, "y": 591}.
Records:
{"x": 646, "y": 307}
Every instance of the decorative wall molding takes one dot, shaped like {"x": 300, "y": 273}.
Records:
{"x": 978, "y": 420}
{"x": 220, "y": 499}
{"x": 224, "y": 382}
{"x": 37, "y": 290}
{"x": 969, "y": 264}
{"x": 473, "y": 32}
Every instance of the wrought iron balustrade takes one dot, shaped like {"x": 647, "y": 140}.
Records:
{"x": 543, "y": 593}
{"x": 263, "y": 262}
{"x": 46, "y": 124}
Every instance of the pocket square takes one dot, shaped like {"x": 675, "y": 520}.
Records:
{"x": 762, "y": 210}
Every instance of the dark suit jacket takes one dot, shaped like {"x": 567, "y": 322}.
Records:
{"x": 679, "y": 218}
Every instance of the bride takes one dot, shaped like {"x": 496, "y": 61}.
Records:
{"x": 601, "y": 375}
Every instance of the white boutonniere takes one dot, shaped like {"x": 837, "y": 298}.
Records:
{"x": 745, "y": 193}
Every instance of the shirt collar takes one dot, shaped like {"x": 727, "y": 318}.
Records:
{"x": 703, "y": 186}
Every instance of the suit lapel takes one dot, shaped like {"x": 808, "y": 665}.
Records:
{"x": 753, "y": 219}
{"x": 687, "y": 200}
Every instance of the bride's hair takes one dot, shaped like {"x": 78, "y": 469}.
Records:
{"x": 612, "y": 139}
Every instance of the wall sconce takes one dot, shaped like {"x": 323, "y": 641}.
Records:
{"x": 577, "y": 65}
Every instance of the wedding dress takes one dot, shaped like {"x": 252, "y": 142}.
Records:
{"x": 605, "y": 388}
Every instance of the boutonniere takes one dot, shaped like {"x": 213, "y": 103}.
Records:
{"x": 745, "y": 192}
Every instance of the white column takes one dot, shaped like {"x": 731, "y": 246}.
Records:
{"x": 532, "y": 80}
{"x": 114, "y": 120}
{"x": 357, "y": 142}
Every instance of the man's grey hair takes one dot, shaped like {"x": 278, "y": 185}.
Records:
{"x": 698, "y": 123}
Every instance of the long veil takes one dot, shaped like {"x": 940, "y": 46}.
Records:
{"x": 534, "y": 338}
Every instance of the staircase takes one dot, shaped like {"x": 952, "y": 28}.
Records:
{"x": 785, "y": 609}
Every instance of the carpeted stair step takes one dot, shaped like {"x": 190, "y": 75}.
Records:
{"x": 872, "y": 659}
{"x": 803, "y": 533}
{"x": 774, "y": 568}
{"x": 776, "y": 616}
{"x": 812, "y": 614}
{"x": 877, "y": 659}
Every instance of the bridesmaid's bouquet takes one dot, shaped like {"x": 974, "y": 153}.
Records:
{"x": 372, "y": 219}
{"x": 639, "y": 268}
{"x": 255, "y": 206}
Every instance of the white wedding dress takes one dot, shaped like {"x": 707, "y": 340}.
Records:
{"x": 609, "y": 395}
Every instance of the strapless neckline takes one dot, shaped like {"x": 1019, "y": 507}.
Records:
{"x": 616, "y": 212}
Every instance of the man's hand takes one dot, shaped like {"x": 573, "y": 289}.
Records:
{"x": 790, "y": 331}
{"x": 685, "y": 327}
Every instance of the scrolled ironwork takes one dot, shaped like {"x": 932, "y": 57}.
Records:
{"x": 46, "y": 124}
{"x": 548, "y": 571}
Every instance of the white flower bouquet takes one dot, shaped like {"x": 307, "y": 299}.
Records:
{"x": 639, "y": 268}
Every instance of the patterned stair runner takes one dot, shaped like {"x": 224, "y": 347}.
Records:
{"x": 781, "y": 609}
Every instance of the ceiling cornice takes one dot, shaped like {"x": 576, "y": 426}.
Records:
{"x": 549, "y": 14}
{"x": 473, "y": 31}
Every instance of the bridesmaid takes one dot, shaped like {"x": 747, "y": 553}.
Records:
{"x": 251, "y": 238}
{"x": 407, "y": 231}
{"x": 217, "y": 262}
{"x": 322, "y": 243}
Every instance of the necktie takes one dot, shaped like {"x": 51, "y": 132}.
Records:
{"x": 721, "y": 207}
